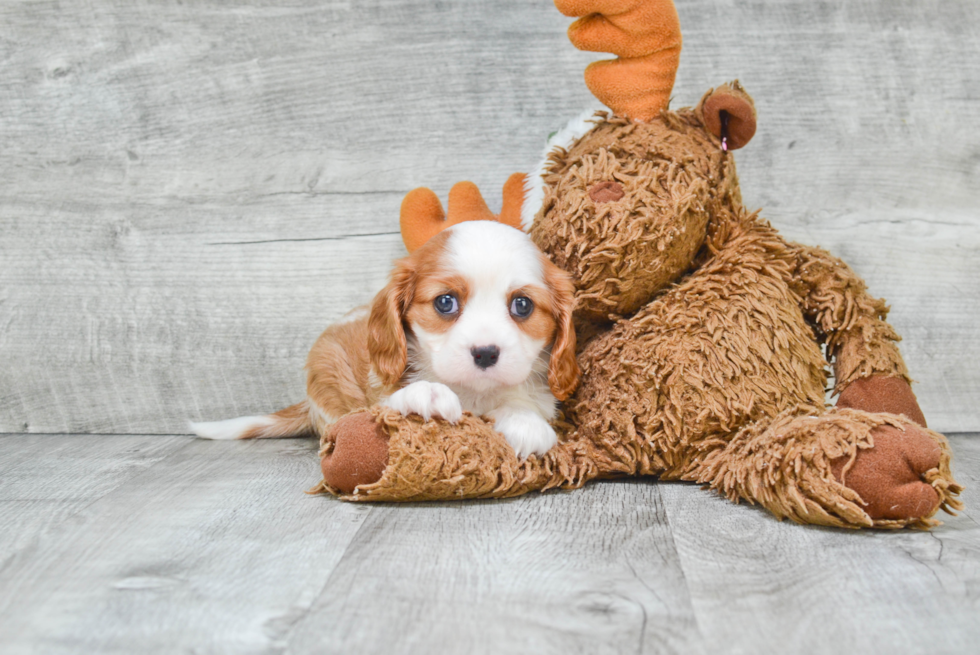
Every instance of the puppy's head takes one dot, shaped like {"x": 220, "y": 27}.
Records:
{"x": 484, "y": 306}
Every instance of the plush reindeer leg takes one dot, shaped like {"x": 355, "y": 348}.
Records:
{"x": 810, "y": 465}
{"x": 859, "y": 341}
{"x": 871, "y": 376}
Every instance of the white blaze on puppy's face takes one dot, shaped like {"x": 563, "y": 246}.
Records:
{"x": 485, "y": 266}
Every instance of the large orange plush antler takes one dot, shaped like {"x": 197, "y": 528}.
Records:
{"x": 645, "y": 35}
{"x": 422, "y": 216}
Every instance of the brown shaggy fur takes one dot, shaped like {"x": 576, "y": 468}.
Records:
{"x": 700, "y": 345}
{"x": 620, "y": 253}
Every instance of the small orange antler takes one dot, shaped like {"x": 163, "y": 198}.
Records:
{"x": 422, "y": 216}
{"x": 645, "y": 35}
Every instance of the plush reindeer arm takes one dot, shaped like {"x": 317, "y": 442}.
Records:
{"x": 861, "y": 345}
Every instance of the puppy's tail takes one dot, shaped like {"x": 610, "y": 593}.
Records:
{"x": 294, "y": 421}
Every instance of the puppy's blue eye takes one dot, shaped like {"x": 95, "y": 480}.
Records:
{"x": 446, "y": 304}
{"x": 521, "y": 307}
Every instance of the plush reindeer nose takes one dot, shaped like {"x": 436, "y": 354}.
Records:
{"x": 485, "y": 356}
{"x": 606, "y": 192}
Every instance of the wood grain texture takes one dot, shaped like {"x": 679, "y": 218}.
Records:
{"x": 180, "y": 545}
{"x": 192, "y": 191}
{"x": 590, "y": 572}
{"x": 759, "y": 586}
{"x": 46, "y": 480}
{"x": 212, "y": 550}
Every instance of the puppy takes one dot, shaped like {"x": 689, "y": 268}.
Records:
{"x": 476, "y": 320}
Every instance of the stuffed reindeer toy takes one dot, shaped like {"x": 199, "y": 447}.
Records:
{"x": 705, "y": 339}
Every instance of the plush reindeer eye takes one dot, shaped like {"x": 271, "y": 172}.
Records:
{"x": 521, "y": 307}
{"x": 446, "y": 304}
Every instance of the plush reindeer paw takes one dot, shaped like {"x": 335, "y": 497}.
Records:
{"x": 359, "y": 454}
{"x": 891, "y": 477}
{"x": 895, "y": 476}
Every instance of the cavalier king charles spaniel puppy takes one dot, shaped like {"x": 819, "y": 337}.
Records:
{"x": 476, "y": 320}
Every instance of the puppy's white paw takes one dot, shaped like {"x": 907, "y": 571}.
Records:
{"x": 427, "y": 399}
{"x": 525, "y": 431}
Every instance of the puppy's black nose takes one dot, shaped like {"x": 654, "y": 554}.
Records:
{"x": 485, "y": 356}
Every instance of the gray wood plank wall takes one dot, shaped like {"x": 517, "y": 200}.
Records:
{"x": 190, "y": 192}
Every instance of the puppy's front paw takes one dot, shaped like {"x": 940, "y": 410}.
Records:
{"x": 526, "y": 432}
{"x": 427, "y": 399}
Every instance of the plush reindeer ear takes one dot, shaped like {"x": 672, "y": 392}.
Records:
{"x": 563, "y": 371}
{"x": 422, "y": 216}
{"x": 387, "y": 346}
{"x": 728, "y": 112}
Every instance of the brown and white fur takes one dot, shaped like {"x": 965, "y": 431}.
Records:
{"x": 481, "y": 358}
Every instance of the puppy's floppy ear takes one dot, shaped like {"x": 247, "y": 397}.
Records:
{"x": 387, "y": 346}
{"x": 563, "y": 371}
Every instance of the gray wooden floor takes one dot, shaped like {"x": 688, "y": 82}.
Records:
{"x": 165, "y": 544}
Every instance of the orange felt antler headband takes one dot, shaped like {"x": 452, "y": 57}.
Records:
{"x": 645, "y": 35}
{"x": 422, "y": 216}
